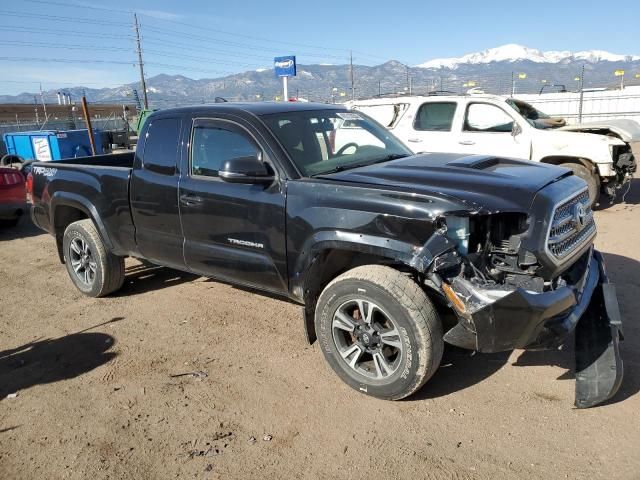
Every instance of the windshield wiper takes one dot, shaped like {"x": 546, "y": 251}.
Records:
{"x": 342, "y": 168}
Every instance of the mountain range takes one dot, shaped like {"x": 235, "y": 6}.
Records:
{"x": 496, "y": 70}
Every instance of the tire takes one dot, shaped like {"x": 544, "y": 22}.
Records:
{"x": 592, "y": 179}
{"x": 94, "y": 270}
{"x": 393, "y": 304}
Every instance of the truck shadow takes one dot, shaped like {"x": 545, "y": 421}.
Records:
{"x": 24, "y": 229}
{"x": 51, "y": 360}
{"x": 144, "y": 277}
{"x": 461, "y": 369}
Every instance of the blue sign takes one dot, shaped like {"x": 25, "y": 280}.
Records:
{"x": 285, "y": 66}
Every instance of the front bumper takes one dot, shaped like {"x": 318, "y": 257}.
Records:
{"x": 543, "y": 321}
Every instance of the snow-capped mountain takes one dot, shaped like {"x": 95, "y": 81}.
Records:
{"x": 513, "y": 52}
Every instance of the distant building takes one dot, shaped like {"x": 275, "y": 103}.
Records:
{"x": 13, "y": 113}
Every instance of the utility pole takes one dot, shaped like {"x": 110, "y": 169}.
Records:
{"x": 140, "y": 64}
{"x": 44, "y": 105}
{"x": 35, "y": 103}
{"x": 379, "y": 88}
{"x": 513, "y": 84}
{"x": 87, "y": 120}
{"x": 353, "y": 88}
{"x": 581, "y": 95}
{"x": 408, "y": 80}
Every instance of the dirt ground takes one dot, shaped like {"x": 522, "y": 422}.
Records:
{"x": 98, "y": 396}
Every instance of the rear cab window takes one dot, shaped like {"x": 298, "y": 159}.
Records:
{"x": 435, "y": 116}
{"x": 161, "y": 146}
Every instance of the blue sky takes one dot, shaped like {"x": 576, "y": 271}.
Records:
{"x": 212, "y": 38}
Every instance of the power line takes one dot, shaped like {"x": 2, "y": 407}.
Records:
{"x": 71, "y": 5}
{"x": 162, "y": 31}
{"x": 182, "y": 46}
{"x": 63, "y": 60}
{"x": 251, "y": 37}
{"x": 66, "y": 33}
{"x": 191, "y": 57}
{"x": 64, "y": 45}
{"x": 60, "y": 19}
{"x": 46, "y": 82}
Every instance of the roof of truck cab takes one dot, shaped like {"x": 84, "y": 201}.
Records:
{"x": 256, "y": 108}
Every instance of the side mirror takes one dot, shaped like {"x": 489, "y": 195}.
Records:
{"x": 246, "y": 170}
{"x": 516, "y": 130}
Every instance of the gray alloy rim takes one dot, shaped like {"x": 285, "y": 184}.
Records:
{"x": 367, "y": 339}
{"x": 82, "y": 261}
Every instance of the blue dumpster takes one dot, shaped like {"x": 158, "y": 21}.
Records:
{"x": 48, "y": 145}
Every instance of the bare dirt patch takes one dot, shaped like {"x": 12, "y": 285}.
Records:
{"x": 179, "y": 376}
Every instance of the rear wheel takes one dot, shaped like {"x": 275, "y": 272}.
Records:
{"x": 94, "y": 270}
{"x": 379, "y": 332}
{"x": 592, "y": 179}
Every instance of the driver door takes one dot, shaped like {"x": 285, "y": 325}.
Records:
{"x": 232, "y": 231}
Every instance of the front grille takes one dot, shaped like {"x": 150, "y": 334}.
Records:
{"x": 571, "y": 227}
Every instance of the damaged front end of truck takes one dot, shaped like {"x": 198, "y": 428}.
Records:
{"x": 528, "y": 280}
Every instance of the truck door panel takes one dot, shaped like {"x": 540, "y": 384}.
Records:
{"x": 432, "y": 126}
{"x": 232, "y": 231}
{"x": 154, "y": 194}
{"x": 487, "y": 130}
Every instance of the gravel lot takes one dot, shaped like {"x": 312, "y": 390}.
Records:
{"x": 98, "y": 396}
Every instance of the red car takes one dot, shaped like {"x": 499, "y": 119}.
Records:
{"x": 13, "y": 196}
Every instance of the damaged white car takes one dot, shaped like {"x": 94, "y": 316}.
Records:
{"x": 600, "y": 153}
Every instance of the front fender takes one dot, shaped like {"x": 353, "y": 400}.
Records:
{"x": 321, "y": 242}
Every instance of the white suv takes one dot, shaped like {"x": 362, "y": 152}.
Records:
{"x": 493, "y": 125}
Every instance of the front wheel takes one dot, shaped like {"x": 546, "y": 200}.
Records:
{"x": 592, "y": 179}
{"x": 379, "y": 332}
{"x": 94, "y": 270}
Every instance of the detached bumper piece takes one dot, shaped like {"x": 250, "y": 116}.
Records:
{"x": 544, "y": 321}
{"x": 599, "y": 367}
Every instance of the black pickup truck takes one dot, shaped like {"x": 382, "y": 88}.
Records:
{"x": 390, "y": 254}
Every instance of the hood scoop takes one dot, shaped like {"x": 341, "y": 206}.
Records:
{"x": 482, "y": 162}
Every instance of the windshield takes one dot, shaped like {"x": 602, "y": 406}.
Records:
{"x": 532, "y": 115}
{"x": 324, "y": 141}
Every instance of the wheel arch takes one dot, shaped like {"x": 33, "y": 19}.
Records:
{"x": 67, "y": 208}
{"x": 560, "y": 159}
{"x": 328, "y": 263}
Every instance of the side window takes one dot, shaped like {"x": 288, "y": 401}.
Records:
{"x": 435, "y": 116}
{"x": 482, "y": 117}
{"x": 161, "y": 146}
{"x": 211, "y": 146}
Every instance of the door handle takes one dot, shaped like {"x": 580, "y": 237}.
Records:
{"x": 467, "y": 142}
{"x": 190, "y": 200}
{"x": 414, "y": 140}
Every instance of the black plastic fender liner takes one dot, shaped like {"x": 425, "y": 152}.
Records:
{"x": 599, "y": 367}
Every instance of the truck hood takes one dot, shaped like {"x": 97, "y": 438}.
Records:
{"x": 478, "y": 182}
{"x": 627, "y": 130}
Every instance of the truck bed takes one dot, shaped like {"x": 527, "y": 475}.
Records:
{"x": 98, "y": 186}
{"x": 109, "y": 160}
